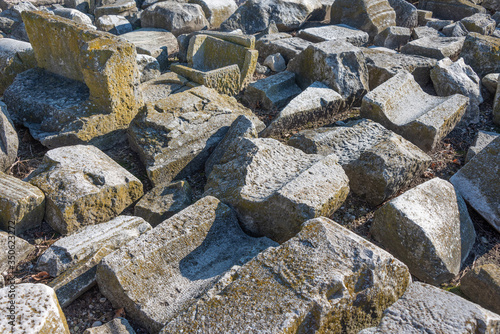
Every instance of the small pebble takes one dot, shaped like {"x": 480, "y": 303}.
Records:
{"x": 91, "y": 306}
{"x": 97, "y": 324}
{"x": 484, "y": 240}
{"x": 102, "y": 300}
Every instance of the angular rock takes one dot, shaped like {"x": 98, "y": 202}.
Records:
{"x": 482, "y": 140}
{"x": 425, "y": 307}
{"x": 435, "y": 47}
{"x": 22, "y": 205}
{"x": 326, "y": 279}
{"x": 393, "y": 37}
{"x": 83, "y": 186}
{"x": 15, "y": 57}
{"x": 126, "y": 8}
{"x": 478, "y": 183}
{"x": 275, "y": 62}
{"x": 289, "y": 48}
{"x": 114, "y": 24}
{"x": 492, "y": 5}
{"x": 406, "y": 13}
{"x": 451, "y": 9}
{"x": 482, "y": 286}
{"x": 378, "y": 162}
{"x": 455, "y": 30}
{"x": 400, "y": 105}
{"x": 73, "y": 15}
{"x": 163, "y": 201}
{"x": 490, "y": 82}
{"x": 9, "y": 142}
{"x": 496, "y": 105}
{"x": 148, "y": 66}
{"x": 163, "y": 86}
{"x": 340, "y": 32}
{"x": 175, "y": 136}
{"x": 480, "y": 23}
{"x": 13, "y": 251}
{"x": 421, "y": 32}
{"x": 178, "y": 18}
{"x": 116, "y": 326}
{"x": 272, "y": 92}
{"x": 313, "y": 107}
{"x": 159, "y": 274}
{"x": 216, "y": 11}
{"x": 36, "y": 310}
{"x": 370, "y": 16}
{"x": 438, "y": 24}
{"x": 482, "y": 53}
{"x": 331, "y": 62}
{"x": 424, "y": 16}
{"x": 428, "y": 228}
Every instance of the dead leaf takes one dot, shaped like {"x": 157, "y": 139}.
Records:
{"x": 40, "y": 276}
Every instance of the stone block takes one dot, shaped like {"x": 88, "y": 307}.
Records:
{"x": 338, "y": 32}
{"x": 15, "y": 57}
{"x": 435, "y": 47}
{"x": 272, "y": 92}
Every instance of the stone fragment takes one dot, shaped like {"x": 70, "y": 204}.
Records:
{"x": 482, "y": 286}
{"x": 438, "y": 24}
{"x": 331, "y": 62}
{"x": 13, "y": 250}
{"x": 126, "y": 8}
{"x": 159, "y": 274}
{"x": 216, "y": 11}
{"x": 148, "y": 66}
{"x": 490, "y": 82}
{"x": 272, "y": 92}
{"x": 393, "y": 37}
{"x": 492, "y": 5}
{"x": 424, "y": 16}
{"x": 83, "y": 186}
{"x": 340, "y": 32}
{"x": 313, "y": 107}
{"x": 73, "y": 15}
{"x": 289, "y": 48}
{"x": 456, "y": 29}
{"x": 479, "y": 184}
{"x": 15, "y": 57}
{"x": 402, "y": 106}
{"x": 175, "y": 136}
{"x": 378, "y": 162}
{"x": 428, "y": 228}
{"x": 178, "y": 18}
{"x": 406, "y": 13}
{"x": 163, "y": 201}
{"x": 163, "y": 86}
{"x": 275, "y": 62}
{"x": 116, "y": 326}
{"x": 22, "y": 205}
{"x": 482, "y": 53}
{"x": 36, "y": 310}
{"x": 421, "y": 32}
{"x": 326, "y": 279}
{"x": 496, "y": 105}
{"x": 435, "y": 47}
{"x": 114, "y": 24}
{"x": 480, "y": 23}
{"x": 482, "y": 140}
{"x": 9, "y": 142}
{"x": 451, "y": 9}
{"x": 426, "y": 307}
{"x": 370, "y": 16}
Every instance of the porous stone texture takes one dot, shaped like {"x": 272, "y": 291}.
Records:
{"x": 116, "y": 326}
{"x": 331, "y": 63}
{"x": 36, "y": 310}
{"x": 148, "y": 66}
{"x": 175, "y": 136}
{"x": 428, "y": 228}
{"x": 15, "y": 57}
{"x": 114, "y": 24}
{"x": 400, "y": 105}
{"x": 339, "y": 32}
{"x": 478, "y": 183}
{"x": 178, "y": 18}
{"x": 288, "y": 47}
{"x": 480, "y": 23}
{"x": 163, "y": 86}
{"x": 326, "y": 279}
{"x": 274, "y": 188}
{"x": 9, "y": 143}
{"x": 314, "y": 106}
{"x": 482, "y": 140}
{"x": 435, "y": 47}
{"x": 216, "y": 11}
{"x": 426, "y": 307}
{"x": 406, "y": 13}
{"x": 22, "y": 205}
{"x": 451, "y": 9}
{"x": 482, "y": 286}
{"x": 272, "y": 92}
{"x": 377, "y": 161}
{"x": 13, "y": 250}
{"x": 482, "y": 53}
{"x": 83, "y": 186}
{"x": 393, "y": 37}
{"x": 73, "y": 15}
{"x": 161, "y": 273}
{"x": 490, "y": 82}
{"x": 254, "y": 16}
{"x": 163, "y": 201}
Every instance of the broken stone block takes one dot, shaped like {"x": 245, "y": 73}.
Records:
{"x": 455, "y": 30}
{"x": 479, "y": 184}
{"x": 402, "y": 106}
{"x": 482, "y": 286}
{"x": 340, "y": 32}
{"x": 175, "y": 136}
{"x": 161, "y": 273}
{"x": 393, "y": 37}
{"x": 275, "y": 62}
{"x": 406, "y": 13}
{"x": 114, "y": 24}
{"x": 116, "y": 326}
{"x": 480, "y": 23}
{"x": 435, "y": 47}
{"x": 22, "y": 205}
{"x": 370, "y": 16}
{"x": 428, "y": 228}
{"x": 331, "y": 62}
{"x": 326, "y": 279}
{"x": 289, "y": 48}
{"x": 482, "y": 140}
{"x": 490, "y": 82}
{"x": 148, "y": 66}
{"x": 93, "y": 94}
{"x": 451, "y": 9}
{"x": 421, "y": 32}
{"x": 424, "y": 16}
{"x": 178, "y": 18}
{"x": 83, "y": 186}
{"x": 13, "y": 250}
{"x": 426, "y": 307}
{"x": 313, "y": 107}
{"x": 15, "y": 57}
{"x": 496, "y": 105}
{"x": 482, "y": 53}
{"x": 163, "y": 201}
{"x": 126, "y": 8}
{"x": 36, "y": 310}
{"x": 163, "y": 86}
{"x": 438, "y": 24}
{"x": 378, "y": 162}
{"x": 74, "y": 15}
{"x": 9, "y": 142}
{"x": 272, "y": 92}
{"x": 216, "y": 11}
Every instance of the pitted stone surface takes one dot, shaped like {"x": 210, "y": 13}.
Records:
{"x": 337, "y": 32}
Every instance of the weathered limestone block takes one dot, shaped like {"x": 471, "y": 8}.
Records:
{"x": 490, "y": 82}
{"x": 331, "y": 63}
{"x": 94, "y": 94}
{"x": 216, "y": 11}
{"x": 451, "y": 9}
{"x": 315, "y": 106}
{"x": 402, "y": 106}
{"x": 15, "y": 57}
{"x": 426, "y": 307}
{"x": 479, "y": 184}
{"x": 163, "y": 201}
{"x": 272, "y": 92}
{"x": 159, "y": 274}
{"x": 74, "y": 15}
{"x": 456, "y": 29}
{"x": 428, "y": 228}
{"x": 148, "y": 66}
{"x": 377, "y": 161}
{"x": 482, "y": 140}
{"x": 480, "y": 23}
{"x": 393, "y": 37}
{"x": 83, "y": 186}
{"x": 482, "y": 286}
{"x": 114, "y": 24}
{"x": 275, "y": 62}
{"x": 406, "y": 13}
{"x": 163, "y": 86}
{"x": 36, "y": 310}
{"x": 175, "y": 136}
{"x": 13, "y": 250}
{"x": 482, "y": 53}
{"x": 424, "y": 16}
{"x": 370, "y": 16}
{"x": 438, "y": 24}
{"x": 421, "y": 32}
{"x": 496, "y": 105}
{"x": 116, "y": 326}
{"x": 435, "y": 47}
{"x": 338, "y": 32}
{"x": 325, "y": 280}
{"x": 9, "y": 142}
{"x": 22, "y": 205}
{"x": 288, "y": 47}
{"x": 274, "y": 188}
{"x": 126, "y": 8}
{"x": 178, "y": 18}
